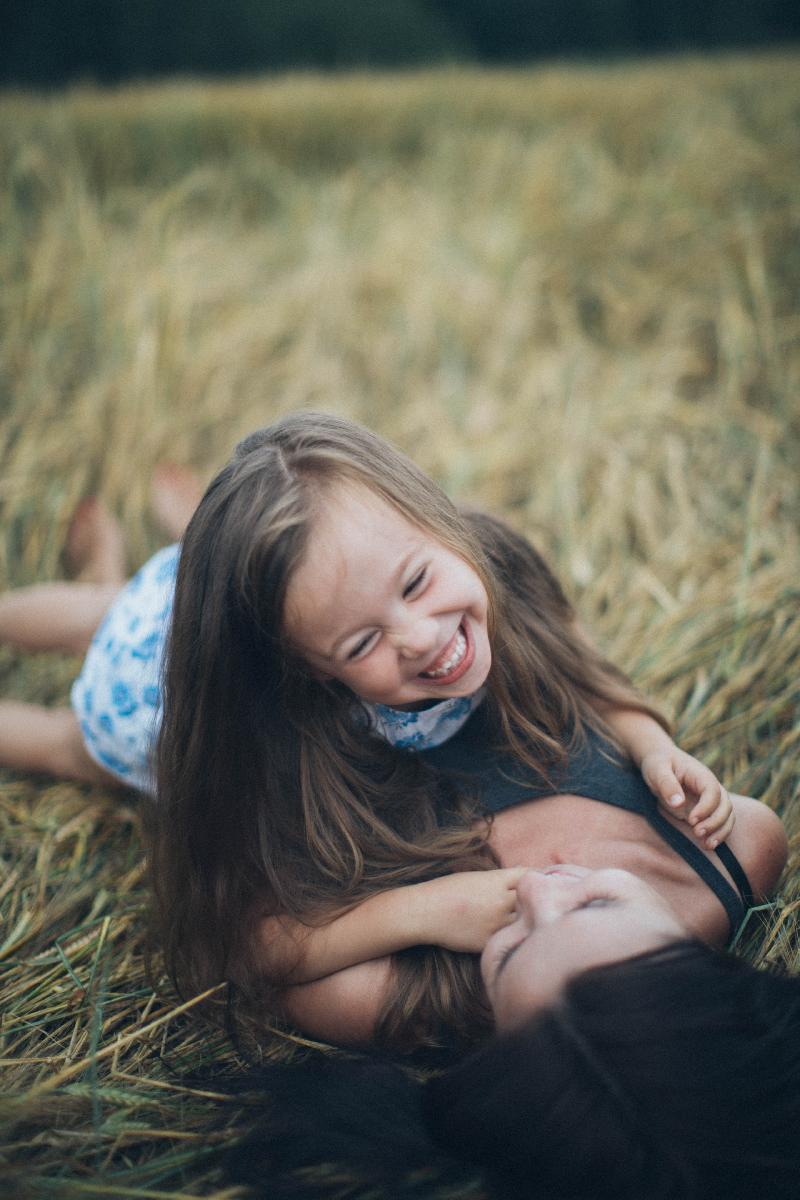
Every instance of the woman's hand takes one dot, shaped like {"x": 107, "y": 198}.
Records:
{"x": 690, "y": 791}
{"x": 462, "y": 911}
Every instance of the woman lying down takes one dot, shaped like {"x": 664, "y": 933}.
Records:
{"x": 631, "y": 1062}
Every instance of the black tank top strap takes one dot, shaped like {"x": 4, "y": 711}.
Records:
{"x": 734, "y": 902}
{"x": 737, "y": 873}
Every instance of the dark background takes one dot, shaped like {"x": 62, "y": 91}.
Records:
{"x": 52, "y": 42}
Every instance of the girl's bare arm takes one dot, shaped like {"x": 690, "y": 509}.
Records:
{"x": 683, "y": 785}
{"x": 458, "y": 911}
{"x": 343, "y": 1007}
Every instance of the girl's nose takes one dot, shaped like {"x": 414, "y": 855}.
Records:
{"x": 417, "y": 637}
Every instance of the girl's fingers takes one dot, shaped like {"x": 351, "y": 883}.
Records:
{"x": 712, "y": 799}
{"x": 718, "y": 824}
{"x": 668, "y": 788}
{"x": 721, "y": 834}
{"x": 715, "y": 822}
{"x": 700, "y": 780}
{"x": 514, "y": 874}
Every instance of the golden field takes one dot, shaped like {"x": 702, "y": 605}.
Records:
{"x": 571, "y": 294}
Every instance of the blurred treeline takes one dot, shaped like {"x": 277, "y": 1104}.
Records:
{"x": 51, "y": 42}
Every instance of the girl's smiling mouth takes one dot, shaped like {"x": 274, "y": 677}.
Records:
{"x": 455, "y": 660}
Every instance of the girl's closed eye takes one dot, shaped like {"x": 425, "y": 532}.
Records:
{"x": 415, "y": 584}
{"x": 361, "y": 647}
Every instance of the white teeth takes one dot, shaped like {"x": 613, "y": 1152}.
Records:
{"x": 459, "y": 650}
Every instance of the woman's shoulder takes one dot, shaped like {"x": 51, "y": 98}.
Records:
{"x": 759, "y": 842}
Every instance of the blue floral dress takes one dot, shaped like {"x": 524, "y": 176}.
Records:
{"x": 117, "y": 696}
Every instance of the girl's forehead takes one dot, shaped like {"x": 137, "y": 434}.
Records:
{"x": 357, "y": 543}
{"x": 351, "y": 509}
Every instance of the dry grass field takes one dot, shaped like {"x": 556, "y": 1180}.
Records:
{"x": 570, "y": 294}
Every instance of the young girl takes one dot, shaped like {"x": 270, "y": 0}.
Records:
{"x": 336, "y": 624}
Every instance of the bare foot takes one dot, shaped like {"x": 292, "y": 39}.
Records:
{"x": 95, "y": 550}
{"x": 175, "y": 493}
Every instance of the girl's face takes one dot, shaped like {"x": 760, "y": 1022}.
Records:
{"x": 569, "y": 919}
{"x": 379, "y": 604}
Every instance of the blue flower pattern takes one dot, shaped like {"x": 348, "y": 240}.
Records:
{"x": 117, "y": 696}
{"x": 424, "y": 729}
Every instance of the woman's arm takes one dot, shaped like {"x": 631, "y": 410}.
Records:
{"x": 459, "y": 912}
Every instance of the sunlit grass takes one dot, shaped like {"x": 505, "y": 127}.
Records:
{"x": 570, "y": 294}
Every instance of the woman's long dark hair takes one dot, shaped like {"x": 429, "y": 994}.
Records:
{"x": 272, "y": 796}
{"x": 672, "y": 1076}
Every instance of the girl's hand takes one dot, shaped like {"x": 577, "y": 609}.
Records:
{"x": 465, "y": 909}
{"x": 688, "y": 790}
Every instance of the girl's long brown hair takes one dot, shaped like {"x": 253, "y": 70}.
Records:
{"x": 272, "y": 796}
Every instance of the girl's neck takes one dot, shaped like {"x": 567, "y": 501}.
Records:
{"x": 422, "y": 728}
